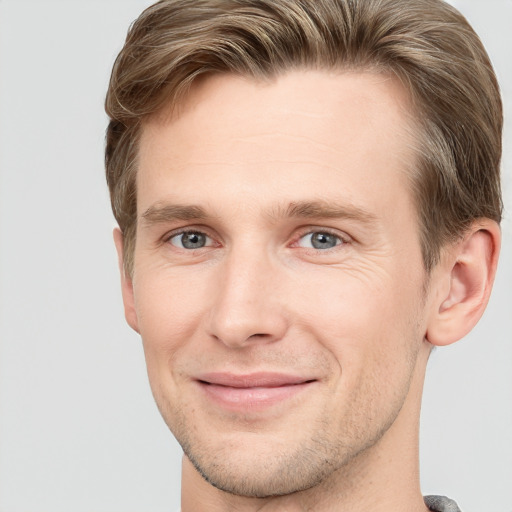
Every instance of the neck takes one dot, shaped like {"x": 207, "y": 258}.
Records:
{"x": 382, "y": 478}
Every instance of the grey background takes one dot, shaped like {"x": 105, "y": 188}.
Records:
{"x": 78, "y": 428}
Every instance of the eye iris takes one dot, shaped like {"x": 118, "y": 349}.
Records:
{"x": 193, "y": 240}
{"x": 323, "y": 240}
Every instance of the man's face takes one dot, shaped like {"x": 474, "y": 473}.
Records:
{"x": 278, "y": 282}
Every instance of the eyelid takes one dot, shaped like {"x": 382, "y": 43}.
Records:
{"x": 309, "y": 230}
{"x": 301, "y": 232}
{"x": 191, "y": 229}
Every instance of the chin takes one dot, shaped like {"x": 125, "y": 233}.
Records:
{"x": 262, "y": 478}
{"x": 266, "y": 468}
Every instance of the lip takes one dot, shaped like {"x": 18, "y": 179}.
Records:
{"x": 255, "y": 391}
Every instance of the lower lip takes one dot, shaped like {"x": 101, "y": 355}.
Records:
{"x": 254, "y": 398}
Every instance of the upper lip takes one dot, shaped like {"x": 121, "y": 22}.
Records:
{"x": 252, "y": 380}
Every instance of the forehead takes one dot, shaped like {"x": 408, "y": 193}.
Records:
{"x": 297, "y": 128}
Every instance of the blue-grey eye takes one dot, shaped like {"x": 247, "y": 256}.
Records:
{"x": 190, "y": 240}
{"x": 319, "y": 240}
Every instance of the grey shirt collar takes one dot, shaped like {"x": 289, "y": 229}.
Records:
{"x": 441, "y": 504}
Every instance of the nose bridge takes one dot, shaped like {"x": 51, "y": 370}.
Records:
{"x": 246, "y": 304}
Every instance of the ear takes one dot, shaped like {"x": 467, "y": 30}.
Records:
{"x": 126, "y": 283}
{"x": 463, "y": 283}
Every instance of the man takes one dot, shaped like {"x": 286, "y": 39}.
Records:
{"x": 308, "y": 202}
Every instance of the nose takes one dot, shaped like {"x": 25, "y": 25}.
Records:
{"x": 247, "y": 303}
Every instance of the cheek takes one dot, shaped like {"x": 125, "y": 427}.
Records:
{"x": 348, "y": 300}
{"x": 368, "y": 321}
{"x": 169, "y": 310}
{"x": 372, "y": 335}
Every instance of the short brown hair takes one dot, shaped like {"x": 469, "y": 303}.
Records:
{"x": 427, "y": 44}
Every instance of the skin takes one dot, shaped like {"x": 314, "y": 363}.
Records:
{"x": 254, "y": 169}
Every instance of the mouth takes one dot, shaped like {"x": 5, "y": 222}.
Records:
{"x": 254, "y": 391}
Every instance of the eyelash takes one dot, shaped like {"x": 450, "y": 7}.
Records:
{"x": 201, "y": 231}
{"x": 342, "y": 239}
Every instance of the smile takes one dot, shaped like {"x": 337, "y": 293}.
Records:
{"x": 253, "y": 391}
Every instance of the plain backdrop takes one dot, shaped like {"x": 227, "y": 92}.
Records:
{"x": 79, "y": 431}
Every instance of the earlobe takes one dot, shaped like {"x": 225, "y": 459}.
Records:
{"x": 464, "y": 282}
{"x": 126, "y": 283}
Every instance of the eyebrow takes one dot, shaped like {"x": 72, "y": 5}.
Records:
{"x": 159, "y": 213}
{"x": 162, "y": 213}
{"x": 324, "y": 210}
